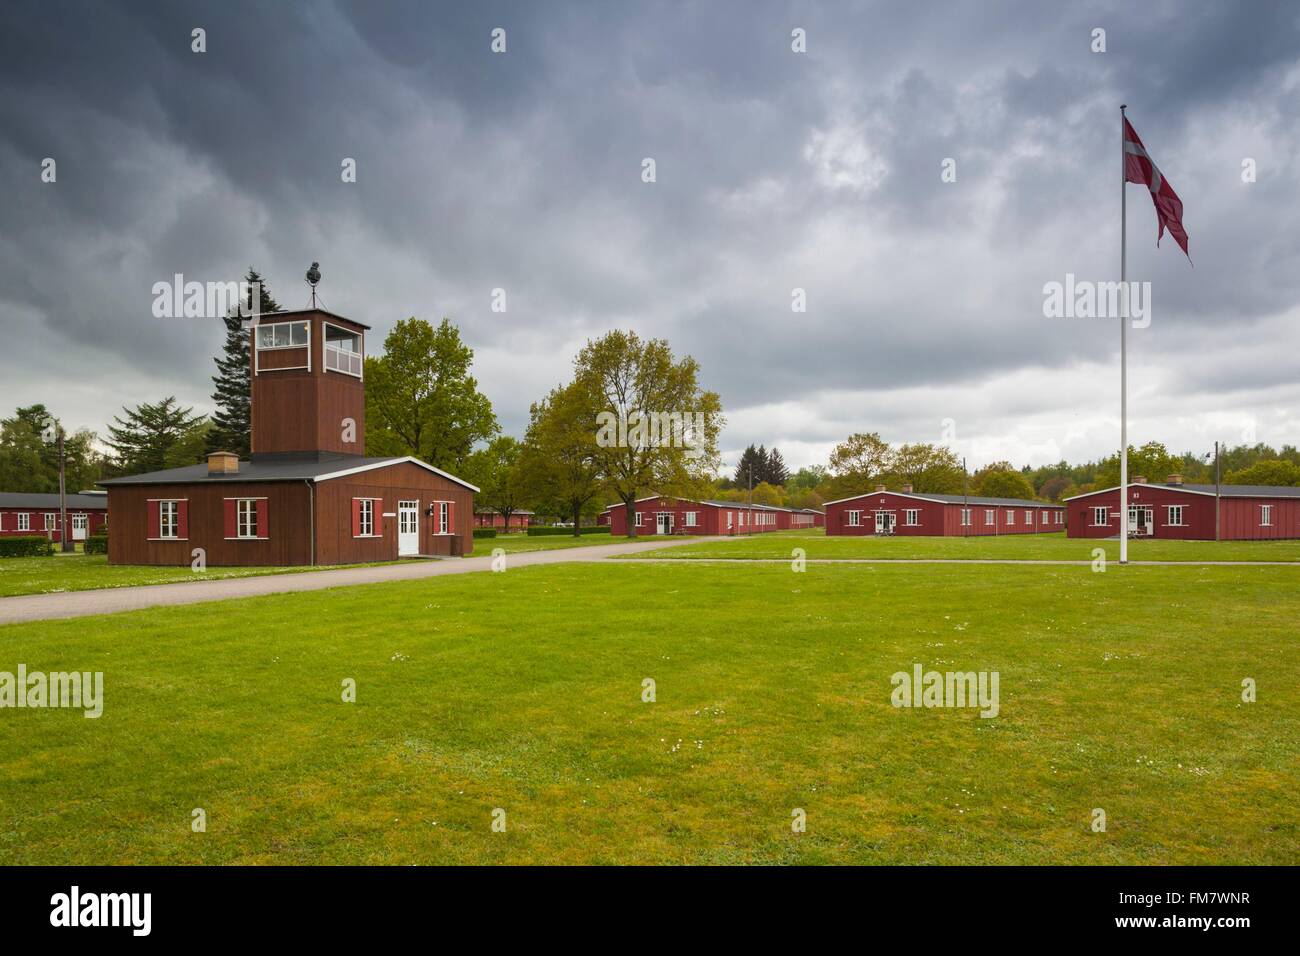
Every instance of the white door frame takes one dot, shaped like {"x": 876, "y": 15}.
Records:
{"x": 79, "y": 523}
{"x": 1149, "y": 514}
{"x": 885, "y": 521}
{"x": 408, "y": 528}
{"x": 662, "y": 519}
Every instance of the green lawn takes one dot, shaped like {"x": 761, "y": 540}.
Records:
{"x": 1052, "y": 547}
{"x": 91, "y": 572}
{"x": 522, "y": 691}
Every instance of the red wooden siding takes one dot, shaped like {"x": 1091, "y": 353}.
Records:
{"x": 940, "y": 518}
{"x": 1240, "y": 517}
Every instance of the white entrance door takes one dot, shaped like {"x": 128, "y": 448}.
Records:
{"x": 79, "y": 527}
{"x": 664, "y": 523}
{"x": 408, "y": 528}
{"x": 1140, "y": 520}
{"x": 884, "y": 522}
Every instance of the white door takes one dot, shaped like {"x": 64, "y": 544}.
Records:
{"x": 665, "y": 523}
{"x": 79, "y": 527}
{"x": 408, "y": 528}
{"x": 884, "y": 522}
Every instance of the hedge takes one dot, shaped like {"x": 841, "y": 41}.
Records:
{"x": 26, "y": 546}
{"x": 96, "y": 544}
{"x": 485, "y": 532}
{"x": 540, "y": 531}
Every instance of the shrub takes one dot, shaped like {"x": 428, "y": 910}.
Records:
{"x": 26, "y": 546}
{"x": 485, "y": 532}
{"x": 540, "y": 531}
{"x": 97, "y": 543}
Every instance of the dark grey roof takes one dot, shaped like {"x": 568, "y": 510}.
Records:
{"x": 43, "y": 502}
{"x": 977, "y": 500}
{"x": 268, "y": 468}
{"x": 1227, "y": 491}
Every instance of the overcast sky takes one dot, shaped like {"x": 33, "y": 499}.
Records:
{"x": 775, "y": 170}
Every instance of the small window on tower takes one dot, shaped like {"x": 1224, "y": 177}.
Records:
{"x": 342, "y": 350}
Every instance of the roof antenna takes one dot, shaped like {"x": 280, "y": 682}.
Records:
{"x": 313, "y": 276}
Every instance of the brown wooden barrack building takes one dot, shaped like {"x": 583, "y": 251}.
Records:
{"x": 306, "y": 495}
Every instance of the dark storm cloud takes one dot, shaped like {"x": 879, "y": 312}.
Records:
{"x": 775, "y": 171}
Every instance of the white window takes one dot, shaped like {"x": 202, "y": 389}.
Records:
{"x": 51, "y": 521}
{"x": 1045, "y": 521}
{"x": 728, "y": 519}
{"x": 1011, "y": 517}
{"x": 638, "y": 519}
{"x": 910, "y": 516}
{"x": 1059, "y": 516}
{"x": 442, "y": 517}
{"x": 169, "y": 519}
{"x": 855, "y": 519}
{"x": 1029, "y": 517}
{"x": 246, "y": 518}
{"x": 965, "y": 517}
{"x": 1265, "y": 515}
{"x": 342, "y": 350}
{"x": 990, "y": 516}
{"x": 366, "y": 519}
{"x": 1175, "y": 515}
{"x": 692, "y": 519}
{"x": 281, "y": 335}
{"x": 1099, "y": 517}
{"x": 24, "y": 521}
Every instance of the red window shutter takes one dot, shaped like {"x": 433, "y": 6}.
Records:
{"x": 155, "y": 518}
{"x": 230, "y": 509}
{"x": 451, "y": 517}
{"x": 378, "y": 527}
{"x": 356, "y": 517}
{"x": 182, "y": 519}
{"x": 262, "y": 526}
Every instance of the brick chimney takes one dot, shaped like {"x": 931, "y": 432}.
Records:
{"x": 223, "y": 463}
{"x": 880, "y": 487}
{"x": 1174, "y": 480}
{"x": 1139, "y": 479}
{"x": 907, "y": 489}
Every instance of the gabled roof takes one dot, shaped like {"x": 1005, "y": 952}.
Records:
{"x": 50, "y": 502}
{"x": 278, "y": 468}
{"x": 953, "y": 499}
{"x": 1225, "y": 491}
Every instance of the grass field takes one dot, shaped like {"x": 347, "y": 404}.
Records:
{"x": 522, "y": 691}
{"x": 91, "y": 572}
{"x": 1047, "y": 547}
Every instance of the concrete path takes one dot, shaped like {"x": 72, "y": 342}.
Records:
{"x": 1072, "y": 562}
{"x": 39, "y": 607}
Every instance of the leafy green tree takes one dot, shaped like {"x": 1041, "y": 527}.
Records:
{"x": 558, "y": 462}
{"x": 495, "y": 469}
{"x": 1001, "y": 483}
{"x": 858, "y": 463}
{"x": 232, "y": 420}
{"x": 1152, "y": 461}
{"x": 155, "y": 436}
{"x": 421, "y": 399}
{"x": 1274, "y": 471}
{"x": 626, "y": 379}
{"x": 1052, "y": 489}
{"x": 932, "y": 469}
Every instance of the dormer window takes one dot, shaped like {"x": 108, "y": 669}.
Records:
{"x": 281, "y": 335}
{"x": 342, "y": 350}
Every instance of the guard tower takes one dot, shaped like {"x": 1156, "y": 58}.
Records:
{"x": 308, "y": 391}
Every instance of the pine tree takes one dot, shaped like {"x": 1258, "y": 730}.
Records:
{"x": 776, "y": 471}
{"x": 232, "y": 420}
{"x": 154, "y": 437}
{"x": 749, "y": 459}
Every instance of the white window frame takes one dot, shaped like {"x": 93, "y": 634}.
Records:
{"x": 639, "y": 521}
{"x": 729, "y": 517}
{"x": 24, "y": 521}
{"x": 692, "y": 519}
{"x": 1265, "y": 516}
{"x": 1172, "y": 511}
{"x": 1102, "y": 512}
{"x": 441, "y": 516}
{"x": 359, "y": 354}
{"x": 855, "y": 519}
{"x": 1045, "y": 518}
{"x": 366, "y": 514}
{"x": 965, "y": 517}
{"x": 990, "y": 517}
{"x": 911, "y": 517}
{"x": 1011, "y": 517}
{"x": 169, "y": 519}
{"x": 246, "y": 518}
{"x": 51, "y": 521}
{"x": 271, "y": 326}
{"x": 1029, "y": 517}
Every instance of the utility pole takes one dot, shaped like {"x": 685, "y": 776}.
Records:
{"x": 65, "y": 542}
{"x": 965, "y": 495}
{"x": 750, "y": 505}
{"x": 1216, "y": 491}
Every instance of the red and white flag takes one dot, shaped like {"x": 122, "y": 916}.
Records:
{"x": 1138, "y": 168}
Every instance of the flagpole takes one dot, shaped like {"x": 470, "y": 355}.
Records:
{"x": 1123, "y": 344}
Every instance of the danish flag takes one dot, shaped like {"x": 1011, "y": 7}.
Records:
{"x": 1138, "y": 168}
